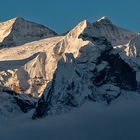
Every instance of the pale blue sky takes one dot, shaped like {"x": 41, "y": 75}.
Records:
{"x": 62, "y": 15}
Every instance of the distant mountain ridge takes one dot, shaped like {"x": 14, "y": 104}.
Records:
{"x": 18, "y": 31}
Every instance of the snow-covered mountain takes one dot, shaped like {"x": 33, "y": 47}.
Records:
{"x": 116, "y": 35}
{"x": 85, "y": 72}
{"x": 18, "y": 31}
{"x": 93, "y": 61}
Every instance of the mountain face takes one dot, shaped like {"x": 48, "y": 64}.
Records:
{"x": 93, "y": 61}
{"x": 18, "y": 31}
{"x": 134, "y": 50}
{"x": 114, "y": 34}
{"x": 92, "y": 75}
{"x": 13, "y": 104}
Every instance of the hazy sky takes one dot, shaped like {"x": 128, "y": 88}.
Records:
{"x": 62, "y": 15}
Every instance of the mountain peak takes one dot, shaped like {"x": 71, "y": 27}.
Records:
{"x": 76, "y": 31}
{"x": 13, "y": 20}
{"x": 18, "y": 18}
{"x": 83, "y": 23}
{"x": 84, "y": 27}
{"x": 104, "y": 20}
{"x": 18, "y": 31}
{"x": 114, "y": 34}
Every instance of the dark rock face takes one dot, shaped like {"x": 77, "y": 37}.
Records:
{"x": 42, "y": 106}
{"x": 87, "y": 78}
{"x": 25, "y": 102}
{"x": 124, "y": 75}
